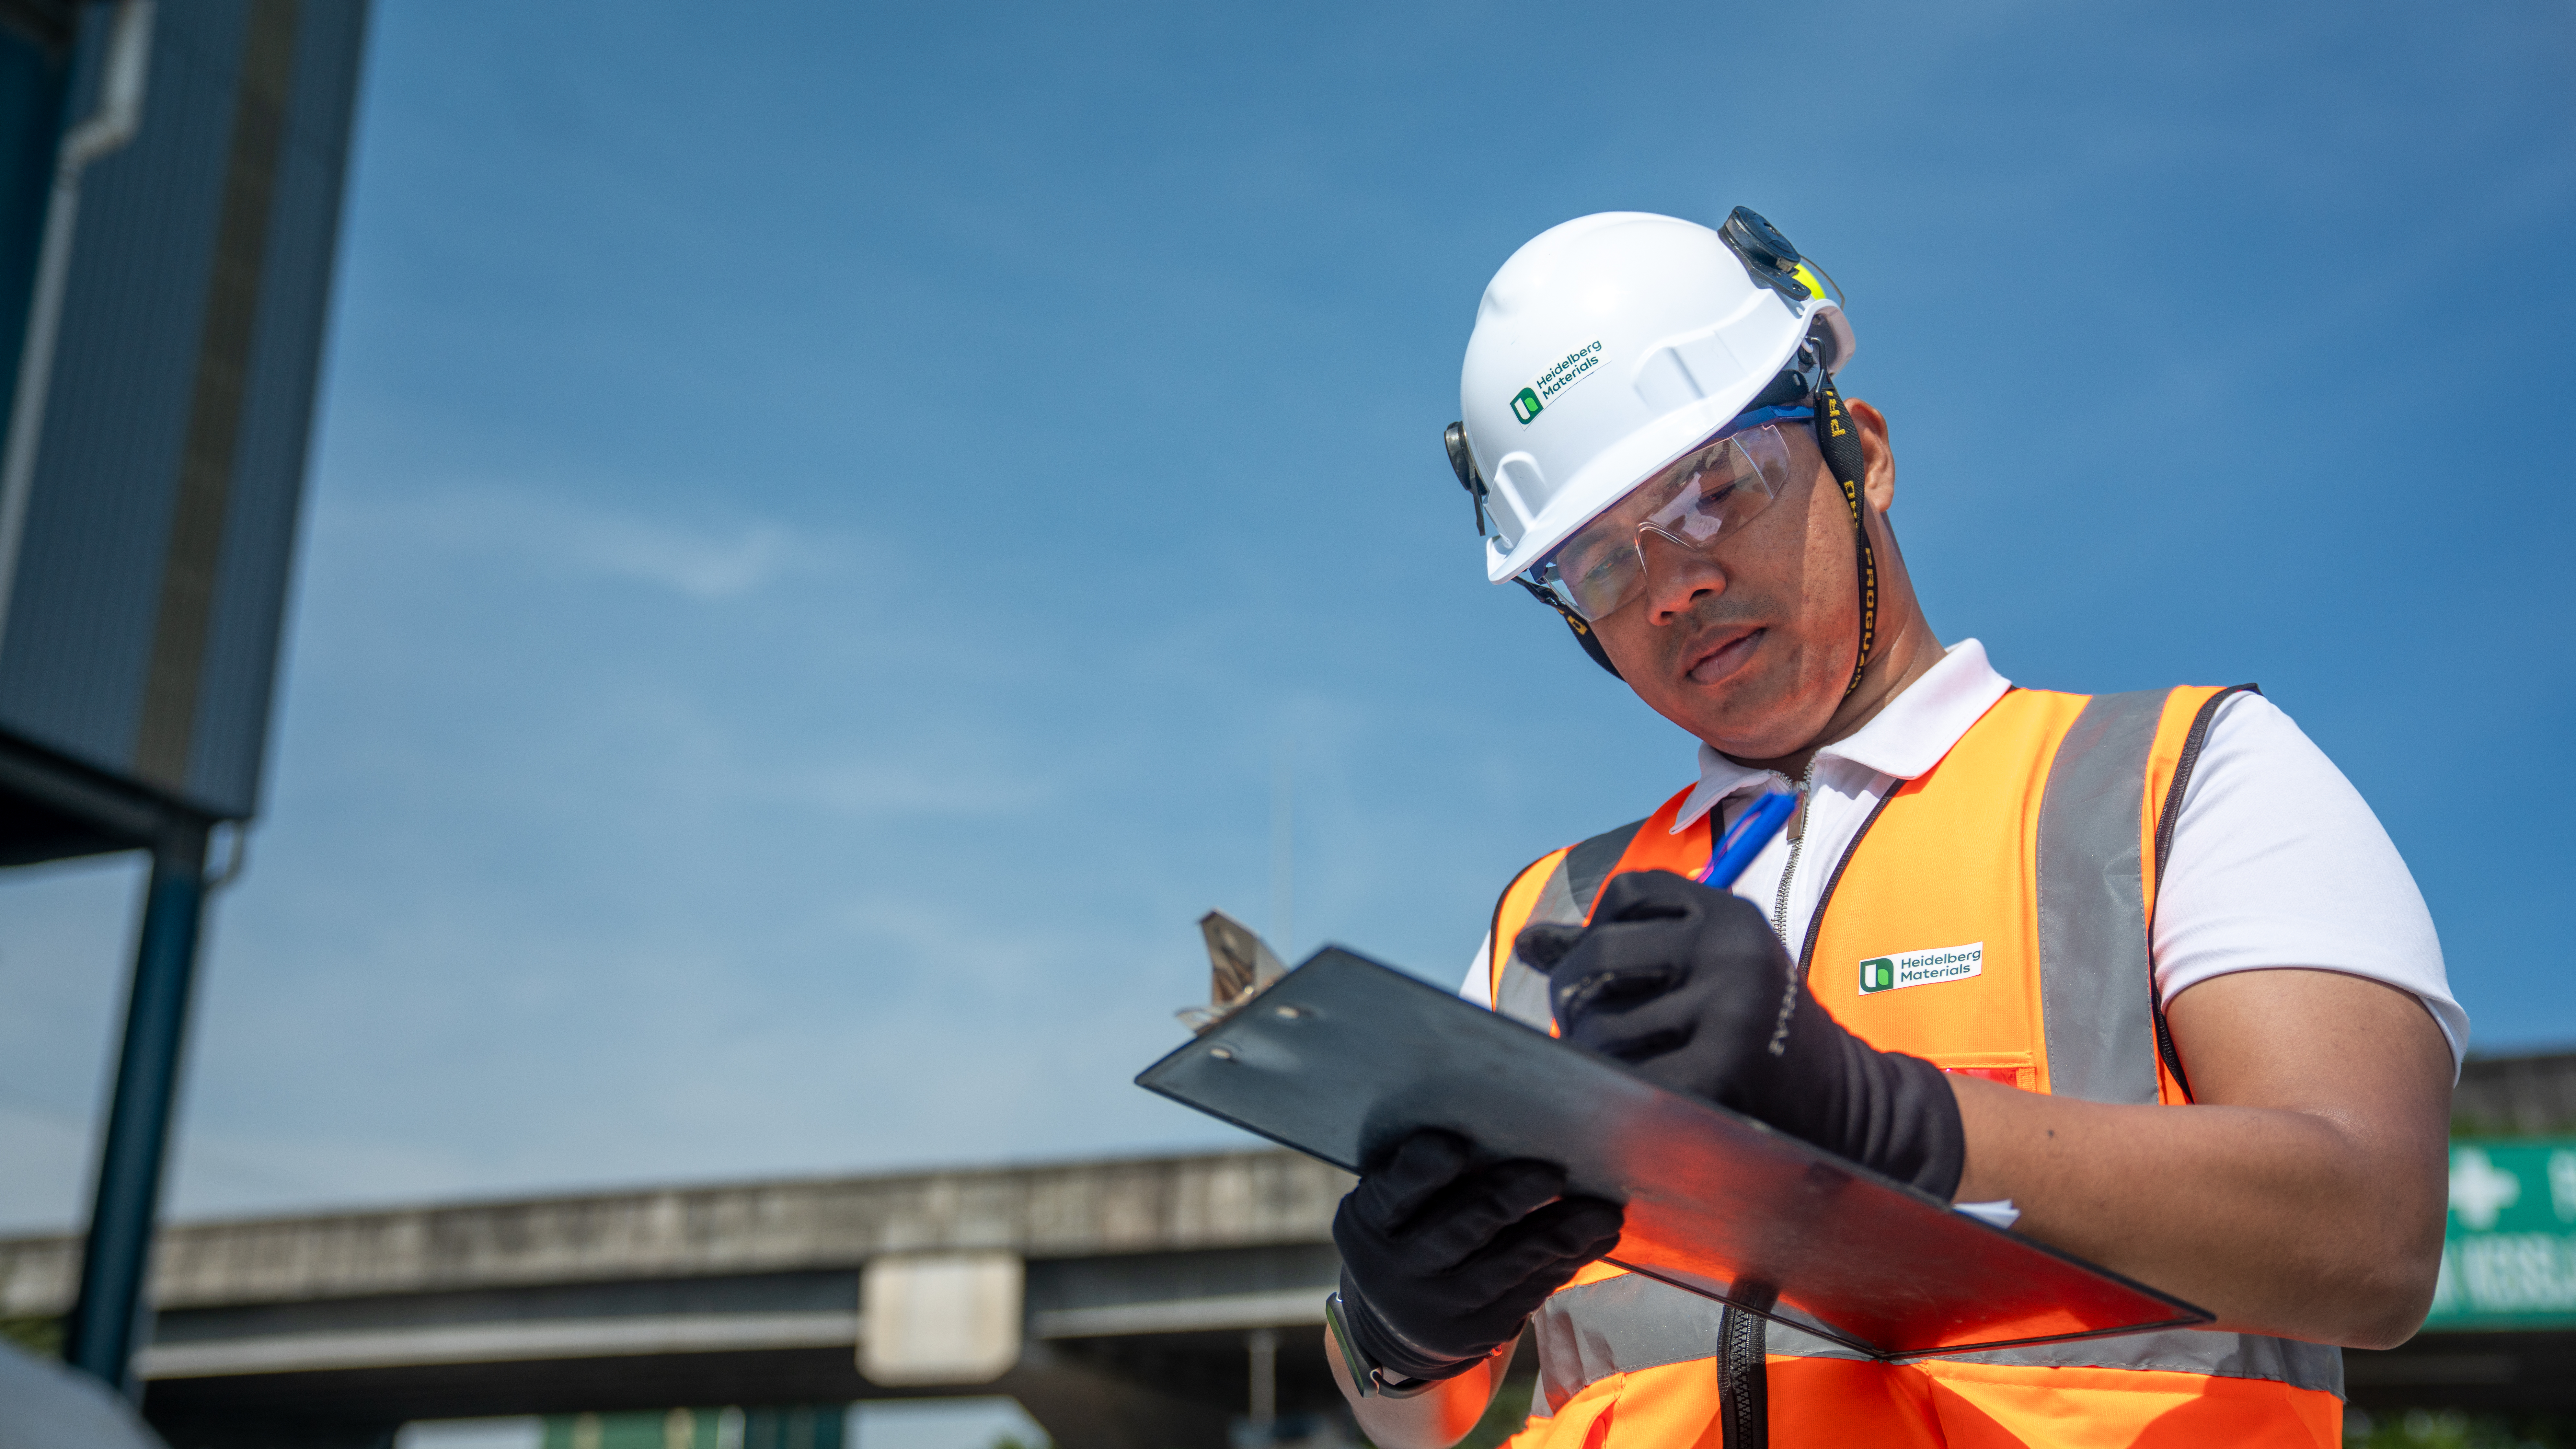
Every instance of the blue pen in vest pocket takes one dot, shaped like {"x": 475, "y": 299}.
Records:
{"x": 1751, "y": 832}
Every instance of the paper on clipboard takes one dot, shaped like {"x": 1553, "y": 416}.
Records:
{"x": 1343, "y": 1056}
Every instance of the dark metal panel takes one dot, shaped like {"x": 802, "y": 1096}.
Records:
{"x": 52, "y": 808}
{"x": 276, "y": 427}
{"x": 160, "y": 531}
{"x": 218, "y": 395}
{"x": 48, "y": 23}
{"x": 33, "y": 70}
{"x": 98, "y": 519}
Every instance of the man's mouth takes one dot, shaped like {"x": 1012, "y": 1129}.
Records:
{"x": 1727, "y": 656}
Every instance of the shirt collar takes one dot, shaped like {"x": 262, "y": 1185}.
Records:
{"x": 1903, "y": 740}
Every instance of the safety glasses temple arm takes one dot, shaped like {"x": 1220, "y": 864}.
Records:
{"x": 1583, "y": 634}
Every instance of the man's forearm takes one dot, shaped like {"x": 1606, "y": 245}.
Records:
{"x": 2303, "y": 1198}
{"x": 2269, "y": 1219}
{"x": 1433, "y": 1419}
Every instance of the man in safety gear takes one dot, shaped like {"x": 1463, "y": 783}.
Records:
{"x": 2137, "y": 973}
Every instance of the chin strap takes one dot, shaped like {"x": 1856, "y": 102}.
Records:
{"x": 1583, "y": 634}
{"x": 1843, "y": 456}
{"x": 1462, "y": 461}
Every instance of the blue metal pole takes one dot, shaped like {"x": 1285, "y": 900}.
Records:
{"x": 107, "y": 1319}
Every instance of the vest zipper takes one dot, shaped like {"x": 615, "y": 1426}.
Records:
{"x": 1743, "y": 1367}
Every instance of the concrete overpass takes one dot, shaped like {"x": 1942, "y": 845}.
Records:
{"x": 1123, "y": 1302}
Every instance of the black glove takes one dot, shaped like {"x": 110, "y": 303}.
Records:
{"x": 1688, "y": 985}
{"x": 1442, "y": 1262}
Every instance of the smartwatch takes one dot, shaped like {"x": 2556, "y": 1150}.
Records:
{"x": 1372, "y": 1378}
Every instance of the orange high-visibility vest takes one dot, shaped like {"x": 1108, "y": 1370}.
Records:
{"x": 2039, "y": 837}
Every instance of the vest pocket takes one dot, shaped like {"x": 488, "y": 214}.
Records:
{"x": 2013, "y": 1069}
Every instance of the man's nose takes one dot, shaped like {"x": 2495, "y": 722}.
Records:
{"x": 1675, "y": 574}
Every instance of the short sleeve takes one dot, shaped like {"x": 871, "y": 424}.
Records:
{"x": 1478, "y": 987}
{"x": 2278, "y": 862}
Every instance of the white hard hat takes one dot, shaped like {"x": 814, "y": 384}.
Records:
{"x": 1611, "y": 345}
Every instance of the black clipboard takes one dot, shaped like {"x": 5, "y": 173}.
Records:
{"x": 1343, "y": 1056}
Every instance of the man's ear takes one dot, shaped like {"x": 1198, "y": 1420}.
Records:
{"x": 1878, "y": 483}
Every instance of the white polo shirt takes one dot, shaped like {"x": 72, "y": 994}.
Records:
{"x": 2276, "y": 860}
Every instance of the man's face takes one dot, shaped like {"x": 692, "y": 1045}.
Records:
{"x": 1749, "y": 644}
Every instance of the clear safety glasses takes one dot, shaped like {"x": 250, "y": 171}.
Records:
{"x": 1707, "y": 494}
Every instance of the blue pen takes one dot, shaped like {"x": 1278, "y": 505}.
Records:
{"x": 1753, "y": 830}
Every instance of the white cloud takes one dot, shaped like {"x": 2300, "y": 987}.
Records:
{"x": 697, "y": 564}
{"x": 556, "y": 533}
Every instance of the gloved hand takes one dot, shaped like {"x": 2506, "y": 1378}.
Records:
{"x": 1689, "y": 986}
{"x": 1442, "y": 1262}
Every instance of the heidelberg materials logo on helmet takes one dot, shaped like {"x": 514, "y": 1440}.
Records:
{"x": 1577, "y": 365}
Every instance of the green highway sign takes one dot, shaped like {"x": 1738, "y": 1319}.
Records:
{"x": 2509, "y": 1250}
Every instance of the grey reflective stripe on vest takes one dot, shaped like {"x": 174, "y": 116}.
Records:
{"x": 1522, "y": 995}
{"x": 2188, "y": 1351}
{"x": 1627, "y": 1324}
{"x": 2095, "y": 979}
{"x": 2096, "y": 991}
{"x": 1565, "y": 899}
{"x": 1624, "y": 1324}
{"x": 1589, "y": 864}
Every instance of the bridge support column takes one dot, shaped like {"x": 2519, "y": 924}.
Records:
{"x": 1082, "y": 1407}
{"x": 1264, "y": 1346}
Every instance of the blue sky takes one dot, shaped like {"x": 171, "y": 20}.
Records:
{"x": 825, "y": 521}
